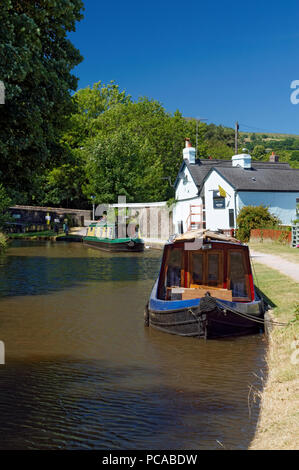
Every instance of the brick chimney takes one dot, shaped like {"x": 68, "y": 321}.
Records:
{"x": 273, "y": 158}
{"x": 189, "y": 152}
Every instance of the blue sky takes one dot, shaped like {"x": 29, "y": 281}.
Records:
{"x": 223, "y": 61}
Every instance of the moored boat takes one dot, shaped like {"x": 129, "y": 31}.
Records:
{"x": 205, "y": 288}
{"x": 104, "y": 236}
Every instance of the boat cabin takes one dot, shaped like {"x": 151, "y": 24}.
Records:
{"x": 218, "y": 267}
{"x": 101, "y": 230}
{"x": 105, "y": 230}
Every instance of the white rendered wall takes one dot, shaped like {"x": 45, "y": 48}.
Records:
{"x": 218, "y": 218}
{"x": 186, "y": 187}
{"x": 186, "y": 194}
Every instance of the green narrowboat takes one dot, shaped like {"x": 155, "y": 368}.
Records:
{"x": 105, "y": 237}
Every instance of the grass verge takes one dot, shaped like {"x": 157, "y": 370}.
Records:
{"x": 3, "y": 242}
{"x": 284, "y": 251}
{"x": 45, "y": 233}
{"x": 278, "y": 424}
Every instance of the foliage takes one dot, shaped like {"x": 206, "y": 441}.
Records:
{"x": 258, "y": 152}
{"x": 42, "y": 234}
{"x": 219, "y": 150}
{"x": 89, "y": 104}
{"x": 36, "y": 58}
{"x": 216, "y": 134}
{"x": 254, "y": 217}
{"x": 5, "y": 202}
{"x": 295, "y": 156}
{"x": 63, "y": 185}
{"x": 3, "y": 242}
{"x": 105, "y": 114}
{"x": 122, "y": 164}
{"x": 128, "y": 148}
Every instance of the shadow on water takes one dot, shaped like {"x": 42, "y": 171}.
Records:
{"x": 64, "y": 404}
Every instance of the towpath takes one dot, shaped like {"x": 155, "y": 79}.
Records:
{"x": 276, "y": 262}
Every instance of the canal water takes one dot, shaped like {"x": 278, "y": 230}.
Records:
{"x": 82, "y": 371}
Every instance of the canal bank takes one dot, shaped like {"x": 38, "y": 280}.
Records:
{"x": 278, "y": 423}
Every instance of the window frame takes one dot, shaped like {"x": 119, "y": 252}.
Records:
{"x": 205, "y": 282}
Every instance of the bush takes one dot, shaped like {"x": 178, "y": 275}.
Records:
{"x": 5, "y": 202}
{"x": 251, "y": 217}
{"x": 3, "y": 242}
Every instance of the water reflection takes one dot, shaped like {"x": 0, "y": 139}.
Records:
{"x": 47, "y": 267}
{"x": 82, "y": 372}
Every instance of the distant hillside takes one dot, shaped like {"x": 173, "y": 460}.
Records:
{"x": 269, "y": 135}
{"x": 262, "y": 144}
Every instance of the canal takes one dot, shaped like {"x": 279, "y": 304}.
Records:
{"x": 82, "y": 371}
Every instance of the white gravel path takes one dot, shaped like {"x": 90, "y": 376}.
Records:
{"x": 276, "y": 262}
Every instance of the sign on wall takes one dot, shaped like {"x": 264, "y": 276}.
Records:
{"x": 218, "y": 200}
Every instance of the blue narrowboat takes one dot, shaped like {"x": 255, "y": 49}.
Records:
{"x": 205, "y": 288}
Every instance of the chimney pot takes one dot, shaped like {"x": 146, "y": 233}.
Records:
{"x": 189, "y": 152}
{"x": 273, "y": 158}
{"x": 188, "y": 143}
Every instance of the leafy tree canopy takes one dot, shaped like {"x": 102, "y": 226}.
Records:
{"x": 104, "y": 114}
{"x": 36, "y": 60}
{"x": 5, "y": 202}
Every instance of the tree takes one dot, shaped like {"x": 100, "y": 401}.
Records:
{"x": 251, "y": 217}
{"x": 63, "y": 185}
{"x": 5, "y": 202}
{"x": 105, "y": 114}
{"x": 295, "y": 156}
{"x": 89, "y": 104}
{"x": 36, "y": 60}
{"x": 259, "y": 152}
{"x": 122, "y": 164}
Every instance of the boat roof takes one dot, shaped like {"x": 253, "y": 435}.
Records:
{"x": 205, "y": 235}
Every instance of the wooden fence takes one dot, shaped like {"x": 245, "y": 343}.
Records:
{"x": 282, "y": 236}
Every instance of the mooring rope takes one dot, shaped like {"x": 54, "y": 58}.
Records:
{"x": 216, "y": 302}
{"x": 250, "y": 317}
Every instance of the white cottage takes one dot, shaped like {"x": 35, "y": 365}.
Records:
{"x": 210, "y": 192}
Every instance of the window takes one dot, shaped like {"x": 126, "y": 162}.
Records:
{"x": 174, "y": 267}
{"x": 206, "y": 268}
{"x": 238, "y": 278}
{"x": 197, "y": 268}
{"x": 213, "y": 269}
{"x": 231, "y": 216}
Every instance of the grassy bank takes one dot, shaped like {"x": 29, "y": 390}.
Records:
{"x": 279, "y": 414}
{"x": 32, "y": 235}
{"x": 272, "y": 248}
{"x": 3, "y": 242}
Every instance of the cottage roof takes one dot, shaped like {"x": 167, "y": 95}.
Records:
{"x": 262, "y": 176}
